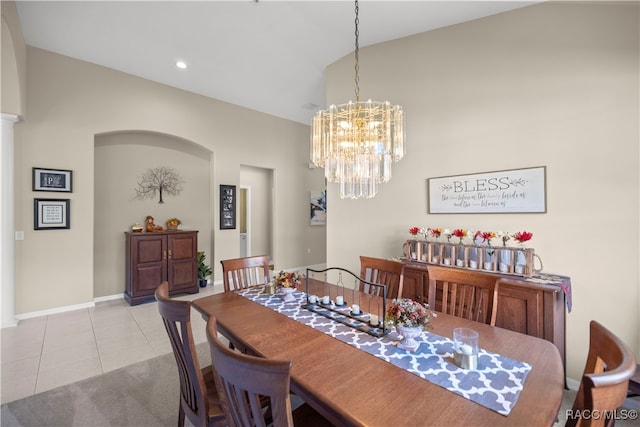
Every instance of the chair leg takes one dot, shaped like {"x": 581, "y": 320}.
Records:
{"x": 181, "y": 416}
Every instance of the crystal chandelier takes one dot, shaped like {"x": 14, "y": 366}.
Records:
{"x": 357, "y": 142}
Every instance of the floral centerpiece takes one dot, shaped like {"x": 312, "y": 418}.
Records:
{"x": 287, "y": 282}
{"x": 410, "y": 318}
{"x": 406, "y": 312}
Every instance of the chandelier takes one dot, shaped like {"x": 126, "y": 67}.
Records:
{"x": 357, "y": 142}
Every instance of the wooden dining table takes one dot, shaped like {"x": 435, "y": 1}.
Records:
{"x": 351, "y": 387}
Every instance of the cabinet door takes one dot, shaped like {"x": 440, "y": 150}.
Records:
{"x": 181, "y": 261}
{"x": 149, "y": 264}
{"x": 414, "y": 285}
{"x": 520, "y": 309}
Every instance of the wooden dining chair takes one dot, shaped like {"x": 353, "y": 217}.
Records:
{"x": 603, "y": 388}
{"x": 246, "y": 381}
{"x": 384, "y": 272}
{"x": 241, "y": 273}
{"x": 199, "y": 399}
{"x": 471, "y": 295}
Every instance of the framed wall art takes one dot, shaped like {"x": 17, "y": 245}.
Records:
{"x": 51, "y": 214}
{"x": 507, "y": 191}
{"x": 52, "y": 180}
{"x": 227, "y": 207}
{"x": 318, "y": 208}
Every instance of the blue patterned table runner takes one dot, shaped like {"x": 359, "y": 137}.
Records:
{"x": 495, "y": 385}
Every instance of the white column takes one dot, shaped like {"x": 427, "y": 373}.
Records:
{"x": 7, "y": 252}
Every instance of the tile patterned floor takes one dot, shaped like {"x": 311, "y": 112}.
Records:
{"x": 50, "y": 351}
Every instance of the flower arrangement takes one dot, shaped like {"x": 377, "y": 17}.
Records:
{"x": 173, "y": 222}
{"x": 486, "y": 236}
{"x": 286, "y": 279}
{"x": 504, "y": 236}
{"x": 435, "y": 232}
{"x": 460, "y": 233}
{"x": 406, "y": 312}
{"x": 522, "y": 236}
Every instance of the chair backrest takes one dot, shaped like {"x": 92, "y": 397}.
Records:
{"x": 241, "y": 273}
{"x": 610, "y": 364}
{"x": 244, "y": 381}
{"x": 176, "y": 316}
{"x": 472, "y": 295}
{"x": 384, "y": 272}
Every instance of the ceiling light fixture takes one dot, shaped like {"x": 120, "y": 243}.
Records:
{"x": 356, "y": 143}
{"x": 182, "y": 65}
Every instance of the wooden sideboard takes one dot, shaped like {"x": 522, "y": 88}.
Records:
{"x": 525, "y": 305}
{"x": 154, "y": 257}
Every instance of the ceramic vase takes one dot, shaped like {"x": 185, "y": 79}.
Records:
{"x": 288, "y": 294}
{"x": 409, "y": 335}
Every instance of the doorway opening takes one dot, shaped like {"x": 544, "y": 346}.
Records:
{"x": 255, "y": 211}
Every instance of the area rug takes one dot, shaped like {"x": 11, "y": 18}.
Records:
{"x": 143, "y": 394}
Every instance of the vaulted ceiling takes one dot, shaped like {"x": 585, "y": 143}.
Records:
{"x": 265, "y": 55}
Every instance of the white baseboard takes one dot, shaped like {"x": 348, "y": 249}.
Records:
{"x": 56, "y": 310}
{"x": 109, "y": 298}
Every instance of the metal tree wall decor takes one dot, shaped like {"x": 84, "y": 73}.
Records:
{"x": 162, "y": 180}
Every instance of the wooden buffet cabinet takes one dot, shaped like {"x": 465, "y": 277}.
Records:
{"x": 524, "y": 305}
{"x": 154, "y": 257}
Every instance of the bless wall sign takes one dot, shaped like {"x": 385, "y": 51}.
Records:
{"x": 508, "y": 191}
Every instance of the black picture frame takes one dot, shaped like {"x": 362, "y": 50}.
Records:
{"x": 51, "y": 214}
{"x": 59, "y": 180}
{"x": 227, "y": 207}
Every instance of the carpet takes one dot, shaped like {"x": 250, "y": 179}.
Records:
{"x": 140, "y": 395}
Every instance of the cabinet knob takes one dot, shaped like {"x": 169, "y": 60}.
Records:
{"x": 169, "y": 253}
{"x": 164, "y": 254}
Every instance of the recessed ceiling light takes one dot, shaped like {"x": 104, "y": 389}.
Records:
{"x": 181, "y": 64}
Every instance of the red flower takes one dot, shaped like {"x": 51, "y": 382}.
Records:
{"x": 459, "y": 232}
{"x": 523, "y": 236}
{"x": 487, "y": 236}
{"x": 414, "y": 230}
{"x": 435, "y": 232}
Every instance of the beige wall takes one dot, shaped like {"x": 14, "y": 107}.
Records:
{"x": 14, "y": 63}
{"x": 554, "y": 85}
{"x": 120, "y": 160}
{"x": 71, "y": 102}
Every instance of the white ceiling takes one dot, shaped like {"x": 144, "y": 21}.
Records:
{"x": 269, "y": 56}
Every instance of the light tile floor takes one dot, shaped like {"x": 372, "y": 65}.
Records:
{"x": 50, "y": 351}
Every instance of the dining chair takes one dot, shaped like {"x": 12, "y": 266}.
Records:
{"x": 245, "y": 381}
{"x": 241, "y": 273}
{"x": 471, "y": 295}
{"x": 384, "y": 272}
{"x": 199, "y": 399}
{"x": 603, "y": 388}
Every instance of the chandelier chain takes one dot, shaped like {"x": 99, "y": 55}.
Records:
{"x": 356, "y": 143}
{"x": 357, "y": 55}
